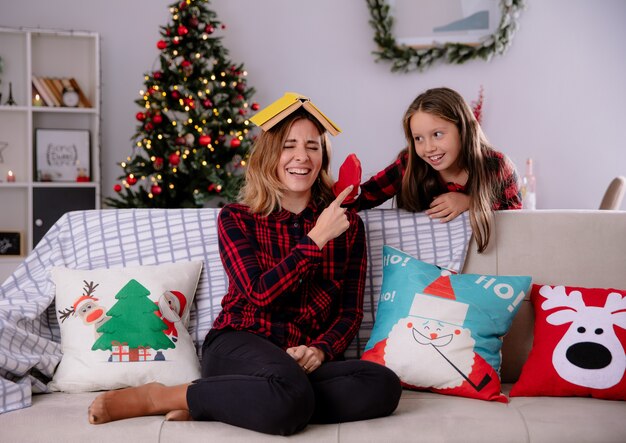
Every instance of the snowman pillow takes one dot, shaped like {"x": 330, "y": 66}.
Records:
{"x": 441, "y": 331}
{"x": 125, "y": 326}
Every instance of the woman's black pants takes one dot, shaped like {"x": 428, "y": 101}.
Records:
{"x": 250, "y": 382}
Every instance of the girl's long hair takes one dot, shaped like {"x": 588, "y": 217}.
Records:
{"x": 421, "y": 183}
{"x": 262, "y": 191}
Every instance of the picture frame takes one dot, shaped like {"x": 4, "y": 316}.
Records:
{"x": 421, "y": 46}
{"x": 62, "y": 155}
{"x": 425, "y": 23}
{"x": 10, "y": 243}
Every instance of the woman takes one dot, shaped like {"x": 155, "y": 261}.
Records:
{"x": 296, "y": 265}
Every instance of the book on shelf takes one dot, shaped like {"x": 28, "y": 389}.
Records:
{"x": 42, "y": 90}
{"x": 288, "y": 104}
{"x": 51, "y": 90}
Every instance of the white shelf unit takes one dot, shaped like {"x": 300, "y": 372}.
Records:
{"x": 28, "y": 206}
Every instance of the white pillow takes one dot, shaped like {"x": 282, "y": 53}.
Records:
{"x": 125, "y": 327}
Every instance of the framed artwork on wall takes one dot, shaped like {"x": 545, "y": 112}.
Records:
{"x": 10, "y": 243}
{"x": 63, "y": 155}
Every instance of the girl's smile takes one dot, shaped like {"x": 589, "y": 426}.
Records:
{"x": 438, "y": 143}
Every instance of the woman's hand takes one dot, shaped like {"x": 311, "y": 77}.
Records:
{"x": 448, "y": 206}
{"x": 332, "y": 222}
{"x": 308, "y": 357}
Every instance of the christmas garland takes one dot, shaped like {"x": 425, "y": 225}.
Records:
{"x": 406, "y": 58}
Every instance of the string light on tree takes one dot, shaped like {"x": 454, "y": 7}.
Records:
{"x": 192, "y": 139}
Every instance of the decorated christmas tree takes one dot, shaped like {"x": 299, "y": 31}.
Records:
{"x": 193, "y": 139}
{"x": 133, "y": 321}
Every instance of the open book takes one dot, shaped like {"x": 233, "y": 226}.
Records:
{"x": 286, "y": 105}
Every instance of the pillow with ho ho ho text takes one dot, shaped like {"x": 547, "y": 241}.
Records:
{"x": 440, "y": 331}
{"x": 125, "y": 327}
{"x": 579, "y": 343}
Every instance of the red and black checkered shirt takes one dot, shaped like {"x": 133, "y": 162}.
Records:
{"x": 388, "y": 182}
{"x": 282, "y": 286}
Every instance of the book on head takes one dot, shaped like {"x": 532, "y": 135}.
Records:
{"x": 272, "y": 114}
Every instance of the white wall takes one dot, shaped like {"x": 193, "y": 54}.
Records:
{"x": 558, "y": 95}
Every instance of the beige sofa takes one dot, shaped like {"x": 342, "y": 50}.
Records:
{"x": 584, "y": 248}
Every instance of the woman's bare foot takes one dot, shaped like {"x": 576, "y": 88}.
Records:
{"x": 178, "y": 415}
{"x": 126, "y": 403}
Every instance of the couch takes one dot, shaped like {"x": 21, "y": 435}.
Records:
{"x": 584, "y": 248}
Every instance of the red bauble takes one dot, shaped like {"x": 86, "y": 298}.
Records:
{"x": 174, "y": 159}
{"x": 207, "y": 103}
{"x": 148, "y": 126}
{"x": 242, "y": 112}
{"x": 175, "y": 94}
{"x": 156, "y": 189}
{"x": 235, "y": 143}
{"x": 161, "y": 44}
{"x": 158, "y": 75}
{"x": 157, "y": 119}
{"x": 158, "y": 163}
{"x": 131, "y": 180}
{"x": 255, "y": 106}
{"x": 211, "y": 187}
{"x": 204, "y": 140}
{"x": 189, "y": 102}
{"x": 140, "y": 116}
{"x": 193, "y": 21}
{"x": 182, "y": 5}
{"x": 117, "y": 188}
{"x": 179, "y": 141}
{"x": 209, "y": 29}
{"x": 182, "y": 30}
{"x": 240, "y": 87}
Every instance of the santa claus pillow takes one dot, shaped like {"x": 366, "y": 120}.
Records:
{"x": 125, "y": 327}
{"x": 579, "y": 343}
{"x": 440, "y": 331}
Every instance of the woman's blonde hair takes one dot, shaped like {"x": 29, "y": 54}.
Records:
{"x": 262, "y": 191}
{"x": 421, "y": 183}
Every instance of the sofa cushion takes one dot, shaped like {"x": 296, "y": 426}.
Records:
{"x": 441, "y": 331}
{"x": 580, "y": 337}
{"x": 442, "y": 244}
{"x": 125, "y": 326}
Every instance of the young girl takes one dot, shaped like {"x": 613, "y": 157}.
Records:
{"x": 296, "y": 265}
{"x": 448, "y": 167}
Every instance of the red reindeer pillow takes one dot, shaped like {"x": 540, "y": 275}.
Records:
{"x": 578, "y": 349}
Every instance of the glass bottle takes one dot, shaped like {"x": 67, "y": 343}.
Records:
{"x": 529, "y": 200}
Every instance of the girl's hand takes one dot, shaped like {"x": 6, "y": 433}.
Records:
{"x": 308, "y": 357}
{"x": 332, "y": 222}
{"x": 448, "y": 206}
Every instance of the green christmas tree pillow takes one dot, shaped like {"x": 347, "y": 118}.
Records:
{"x": 125, "y": 327}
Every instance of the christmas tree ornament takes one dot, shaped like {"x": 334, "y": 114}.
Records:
{"x": 161, "y": 44}
{"x": 255, "y": 106}
{"x": 131, "y": 180}
{"x": 148, "y": 127}
{"x": 117, "y": 187}
{"x": 187, "y": 67}
{"x": 174, "y": 159}
{"x": 207, "y": 103}
{"x": 175, "y": 94}
{"x": 193, "y": 21}
{"x": 158, "y": 163}
{"x": 235, "y": 143}
{"x": 157, "y": 75}
{"x": 209, "y": 29}
{"x": 179, "y": 141}
{"x": 204, "y": 140}
{"x": 140, "y": 116}
{"x": 189, "y": 139}
{"x": 156, "y": 189}
{"x": 182, "y": 30}
{"x": 157, "y": 119}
